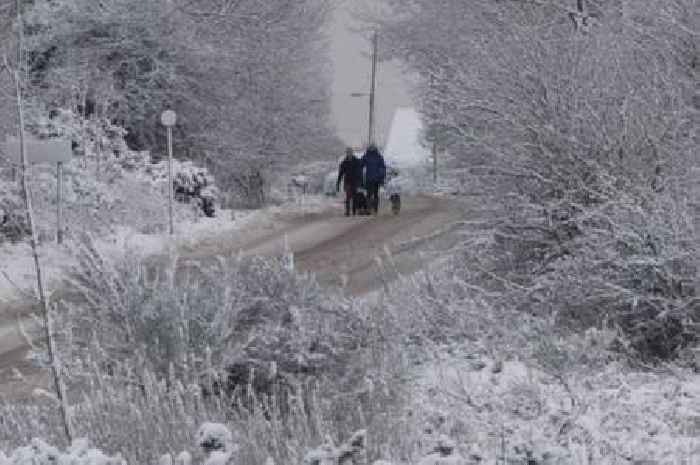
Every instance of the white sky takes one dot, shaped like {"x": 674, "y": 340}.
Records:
{"x": 350, "y": 48}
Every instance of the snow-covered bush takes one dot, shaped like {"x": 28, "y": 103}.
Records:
{"x": 515, "y": 386}
{"x": 191, "y": 184}
{"x": 252, "y": 320}
{"x": 351, "y": 452}
{"x": 41, "y": 453}
{"x": 216, "y": 441}
{"x": 586, "y": 144}
{"x": 13, "y": 226}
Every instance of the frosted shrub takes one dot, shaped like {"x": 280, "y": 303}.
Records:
{"x": 40, "y": 453}
{"x": 251, "y": 321}
{"x": 12, "y": 214}
{"x": 191, "y": 184}
{"x": 630, "y": 261}
{"x": 589, "y": 176}
{"x": 351, "y": 452}
{"x": 216, "y": 441}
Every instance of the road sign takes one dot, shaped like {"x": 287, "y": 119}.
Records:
{"x": 44, "y": 151}
{"x": 168, "y": 118}
{"x": 39, "y": 150}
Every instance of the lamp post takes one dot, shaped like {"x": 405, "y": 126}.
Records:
{"x": 168, "y": 118}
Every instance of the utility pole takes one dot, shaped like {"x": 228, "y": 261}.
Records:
{"x": 373, "y": 85}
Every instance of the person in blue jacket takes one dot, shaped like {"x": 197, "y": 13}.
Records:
{"x": 375, "y": 174}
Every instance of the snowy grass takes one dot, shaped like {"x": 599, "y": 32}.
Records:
{"x": 437, "y": 362}
{"x": 509, "y": 386}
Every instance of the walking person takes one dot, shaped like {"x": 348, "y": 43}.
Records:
{"x": 350, "y": 172}
{"x": 375, "y": 174}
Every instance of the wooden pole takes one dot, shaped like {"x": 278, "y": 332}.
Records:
{"x": 24, "y": 172}
{"x": 373, "y": 86}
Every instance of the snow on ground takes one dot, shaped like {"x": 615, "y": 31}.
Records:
{"x": 41, "y": 453}
{"x": 619, "y": 414}
{"x": 17, "y": 275}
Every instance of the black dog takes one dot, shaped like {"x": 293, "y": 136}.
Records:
{"x": 360, "y": 203}
{"x": 395, "y": 200}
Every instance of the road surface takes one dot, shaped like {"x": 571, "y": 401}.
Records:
{"x": 353, "y": 253}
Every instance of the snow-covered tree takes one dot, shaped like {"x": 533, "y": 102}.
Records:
{"x": 577, "y": 117}
{"x": 246, "y": 77}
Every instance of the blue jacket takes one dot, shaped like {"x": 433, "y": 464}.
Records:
{"x": 373, "y": 164}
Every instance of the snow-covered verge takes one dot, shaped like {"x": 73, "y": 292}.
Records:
{"x": 17, "y": 274}
{"x": 511, "y": 386}
{"x": 514, "y": 409}
{"x": 464, "y": 413}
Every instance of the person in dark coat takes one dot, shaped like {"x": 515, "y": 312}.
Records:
{"x": 350, "y": 172}
{"x": 375, "y": 175}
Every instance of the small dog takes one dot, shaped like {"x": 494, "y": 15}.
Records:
{"x": 361, "y": 205}
{"x": 395, "y": 200}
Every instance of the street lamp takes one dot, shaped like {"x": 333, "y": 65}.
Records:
{"x": 168, "y": 118}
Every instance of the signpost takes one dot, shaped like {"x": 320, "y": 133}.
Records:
{"x": 168, "y": 118}
{"x": 45, "y": 151}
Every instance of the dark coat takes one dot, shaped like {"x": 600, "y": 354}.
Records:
{"x": 373, "y": 164}
{"x": 350, "y": 170}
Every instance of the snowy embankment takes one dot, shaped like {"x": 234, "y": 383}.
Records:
{"x": 612, "y": 415}
{"x": 18, "y": 276}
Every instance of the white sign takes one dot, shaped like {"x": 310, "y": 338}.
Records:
{"x": 39, "y": 150}
{"x": 168, "y": 118}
